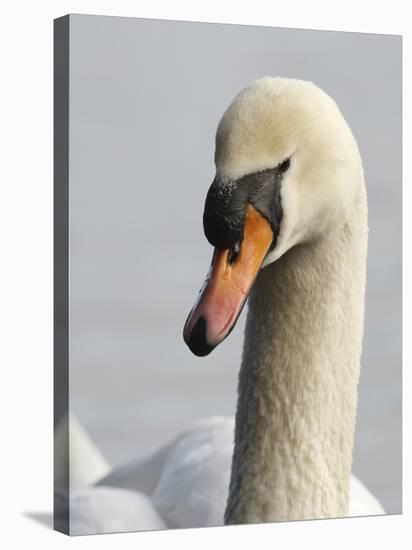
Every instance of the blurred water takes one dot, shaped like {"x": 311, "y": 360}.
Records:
{"x": 145, "y": 99}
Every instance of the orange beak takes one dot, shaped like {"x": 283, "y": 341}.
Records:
{"x": 227, "y": 286}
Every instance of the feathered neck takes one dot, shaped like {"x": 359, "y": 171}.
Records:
{"x": 297, "y": 390}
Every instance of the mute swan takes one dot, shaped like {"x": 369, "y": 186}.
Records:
{"x": 288, "y": 196}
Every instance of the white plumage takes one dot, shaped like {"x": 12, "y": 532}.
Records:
{"x": 183, "y": 485}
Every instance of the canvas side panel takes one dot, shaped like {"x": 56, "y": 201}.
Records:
{"x": 61, "y": 273}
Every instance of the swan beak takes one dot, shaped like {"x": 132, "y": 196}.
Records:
{"x": 227, "y": 286}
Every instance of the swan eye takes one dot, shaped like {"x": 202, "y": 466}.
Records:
{"x": 233, "y": 253}
{"x": 284, "y": 166}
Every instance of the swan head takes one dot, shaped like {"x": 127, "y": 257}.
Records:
{"x": 288, "y": 170}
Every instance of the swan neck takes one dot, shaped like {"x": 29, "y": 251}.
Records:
{"x": 297, "y": 389}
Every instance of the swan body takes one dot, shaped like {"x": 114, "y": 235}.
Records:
{"x": 287, "y": 215}
{"x": 189, "y": 478}
{"x": 182, "y": 485}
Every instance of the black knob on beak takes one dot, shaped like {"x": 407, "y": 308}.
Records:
{"x": 224, "y": 214}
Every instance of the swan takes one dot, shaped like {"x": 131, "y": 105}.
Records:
{"x": 287, "y": 216}
{"x": 289, "y": 196}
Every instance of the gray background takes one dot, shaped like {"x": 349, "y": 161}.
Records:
{"x": 145, "y": 100}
